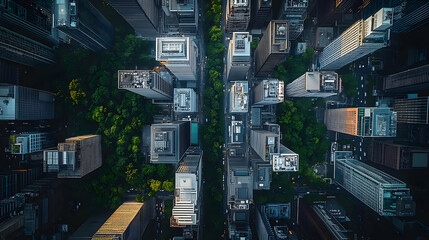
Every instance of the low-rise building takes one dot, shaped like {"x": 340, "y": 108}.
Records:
{"x": 285, "y": 161}
{"x": 239, "y": 102}
{"x": 185, "y": 100}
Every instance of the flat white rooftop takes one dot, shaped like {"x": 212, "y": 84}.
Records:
{"x": 239, "y": 97}
{"x": 172, "y": 49}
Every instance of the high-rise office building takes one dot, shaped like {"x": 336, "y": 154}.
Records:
{"x": 180, "y": 16}
{"x": 240, "y": 184}
{"x": 185, "y": 100}
{"x": 381, "y": 192}
{"x": 25, "y": 143}
{"x": 142, "y": 15}
{"x": 238, "y": 58}
{"x": 273, "y": 47}
{"x": 412, "y": 110}
{"x": 126, "y": 223}
{"x": 9, "y": 184}
{"x": 239, "y": 97}
{"x": 22, "y": 103}
{"x": 268, "y": 91}
{"x": 187, "y": 193}
{"x": 179, "y": 55}
{"x": 362, "y": 38}
{"x": 75, "y": 158}
{"x": 315, "y": 84}
{"x": 399, "y": 156}
{"x": 237, "y": 15}
{"x": 362, "y": 121}
{"x": 295, "y": 12}
{"x": 169, "y": 141}
{"x": 26, "y": 34}
{"x": 148, "y": 83}
{"x": 410, "y": 15}
{"x": 261, "y": 13}
{"x": 239, "y": 225}
{"x": 262, "y": 174}
{"x": 285, "y": 161}
{"x": 81, "y": 21}
{"x": 410, "y": 80}
{"x": 266, "y": 142}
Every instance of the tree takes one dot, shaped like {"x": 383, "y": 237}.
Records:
{"x": 155, "y": 185}
{"x": 77, "y": 95}
{"x": 168, "y": 186}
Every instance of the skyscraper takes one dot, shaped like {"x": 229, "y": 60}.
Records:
{"x": 273, "y": 47}
{"x": 381, "y": 192}
{"x": 295, "y": 12}
{"x": 148, "y": 83}
{"x": 315, "y": 84}
{"x": 81, "y": 21}
{"x": 187, "y": 193}
{"x": 410, "y": 80}
{"x": 126, "y": 222}
{"x": 181, "y": 16}
{"x": 412, "y": 14}
{"x": 399, "y": 156}
{"x": 237, "y": 15}
{"x": 169, "y": 141}
{"x": 261, "y": 13}
{"x": 21, "y": 103}
{"x": 185, "y": 100}
{"x": 179, "y": 55}
{"x": 26, "y": 35}
{"x": 142, "y": 15}
{"x": 268, "y": 91}
{"x": 412, "y": 110}
{"x": 266, "y": 142}
{"x": 75, "y": 158}
{"x": 362, "y": 38}
{"x": 238, "y": 59}
{"x": 362, "y": 121}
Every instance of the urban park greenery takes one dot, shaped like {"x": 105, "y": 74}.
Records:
{"x": 212, "y": 133}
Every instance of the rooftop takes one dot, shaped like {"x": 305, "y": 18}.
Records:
{"x": 239, "y": 97}
{"x": 285, "y": 161}
{"x": 119, "y": 221}
{"x": 296, "y": 3}
{"x": 321, "y": 81}
{"x": 241, "y": 42}
{"x": 190, "y": 162}
{"x": 236, "y": 132}
{"x": 172, "y": 49}
{"x": 279, "y": 38}
{"x": 273, "y": 89}
{"x": 182, "y": 5}
{"x": 184, "y": 100}
{"x": 239, "y": 3}
{"x": 135, "y": 78}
